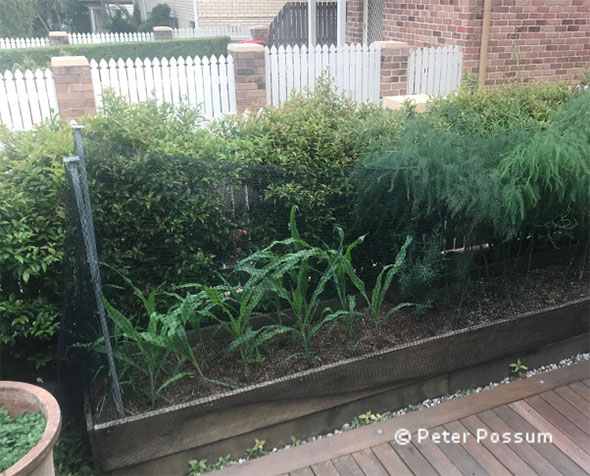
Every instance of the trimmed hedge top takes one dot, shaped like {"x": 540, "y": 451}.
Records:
{"x": 32, "y": 58}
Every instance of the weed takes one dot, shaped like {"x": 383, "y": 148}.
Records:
{"x": 257, "y": 450}
{"x": 518, "y": 369}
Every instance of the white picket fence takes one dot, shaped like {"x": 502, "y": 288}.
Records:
{"x": 207, "y": 83}
{"x": 434, "y": 71}
{"x": 353, "y": 69}
{"x": 27, "y": 99}
{"x": 234, "y": 32}
{"x": 93, "y": 38}
{"x": 11, "y": 43}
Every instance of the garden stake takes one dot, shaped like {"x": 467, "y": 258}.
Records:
{"x": 85, "y": 214}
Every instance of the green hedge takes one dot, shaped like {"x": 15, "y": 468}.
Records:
{"x": 41, "y": 57}
{"x": 492, "y": 173}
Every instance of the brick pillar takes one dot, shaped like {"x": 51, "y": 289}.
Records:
{"x": 58, "y": 38}
{"x": 250, "y": 75}
{"x": 75, "y": 94}
{"x": 162, "y": 33}
{"x": 394, "y": 68}
{"x": 260, "y": 33}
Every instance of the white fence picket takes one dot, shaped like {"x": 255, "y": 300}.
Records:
{"x": 234, "y": 32}
{"x": 12, "y": 43}
{"x": 435, "y": 72}
{"x": 26, "y": 99}
{"x": 353, "y": 70}
{"x": 207, "y": 83}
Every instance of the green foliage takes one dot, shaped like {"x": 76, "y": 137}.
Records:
{"x": 31, "y": 239}
{"x": 61, "y": 15}
{"x": 382, "y": 285}
{"x": 17, "y": 18}
{"x": 313, "y": 129}
{"x": 18, "y": 436}
{"x": 511, "y": 107}
{"x": 548, "y": 177}
{"x": 71, "y": 454}
{"x": 160, "y": 15}
{"x": 41, "y": 57}
{"x": 518, "y": 369}
{"x": 298, "y": 274}
{"x": 201, "y": 466}
{"x": 120, "y": 21}
{"x": 257, "y": 450}
{"x": 144, "y": 346}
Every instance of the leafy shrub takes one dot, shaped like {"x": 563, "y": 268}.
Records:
{"x": 313, "y": 129}
{"x": 41, "y": 57}
{"x": 507, "y": 108}
{"x": 31, "y": 239}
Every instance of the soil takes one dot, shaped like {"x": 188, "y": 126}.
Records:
{"x": 485, "y": 300}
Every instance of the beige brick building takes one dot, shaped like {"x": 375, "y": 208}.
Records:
{"x": 218, "y": 12}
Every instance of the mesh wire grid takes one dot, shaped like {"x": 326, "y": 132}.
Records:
{"x": 168, "y": 220}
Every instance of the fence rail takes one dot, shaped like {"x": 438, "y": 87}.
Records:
{"x": 27, "y": 99}
{"x": 207, "y": 83}
{"x": 12, "y": 43}
{"x": 434, "y": 71}
{"x": 353, "y": 69}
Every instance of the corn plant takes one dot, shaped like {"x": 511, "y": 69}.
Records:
{"x": 344, "y": 272}
{"x": 382, "y": 285}
{"x": 146, "y": 354}
{"x": 288, "y": 269}
{"x": 238, "y": 308}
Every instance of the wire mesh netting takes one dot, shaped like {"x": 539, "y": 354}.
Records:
{"x": 168, "y": 227}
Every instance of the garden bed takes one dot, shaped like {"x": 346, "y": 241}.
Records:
{"x": 434, "y": 353}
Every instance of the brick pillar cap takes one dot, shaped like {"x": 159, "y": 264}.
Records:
{"x": 66, "y": 61}
{"x": 244, "y": 47}
{"x": 57, "y": 34}
{"x": 392, "y": 45}
{"x": 162, "y": 28}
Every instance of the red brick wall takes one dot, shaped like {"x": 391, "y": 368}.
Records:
{"x": 529, "y": 39}
{"x": 354, "y": 21}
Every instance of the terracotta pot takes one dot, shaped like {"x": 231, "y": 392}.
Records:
{"x": 17, "y": 398}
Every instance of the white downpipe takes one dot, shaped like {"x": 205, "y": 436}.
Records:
{"x": 311, "y": 23}
{"x": 196, "y": 13}
{"x": 341, "y": 23}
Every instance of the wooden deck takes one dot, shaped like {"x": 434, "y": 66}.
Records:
{"x": 555, "y": 403}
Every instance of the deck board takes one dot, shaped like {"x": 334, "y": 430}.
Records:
{"x": 574, "y": 399}
{"x": 527, "y": 453}
{"x": 415, "y": 461}
{"x": 346, "y": 466}
{"x": 325, "y": 468}
{"x": 503, "y": 453}
{"x": 567, "y": 410}
{"x": 438, "y": 459}
{"x": 479, "y": 452}
{"x": 558, "y": 459}
{"x": 554, "y": 417}
{"x": 369, "y": 463}
{"x": 557, "y": 403}
{"x": 390, "y": 460}
{"x": 581, "y": 389}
